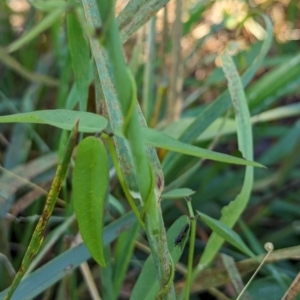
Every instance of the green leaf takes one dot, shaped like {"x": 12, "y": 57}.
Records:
{"x": 56, "y": 269}
{"x": 178, "y": 193}
{"x": 221, "y": 104}
{"x": 44, "y": 24}
{"x": 90, "y": 181}
{"x": 147, "y": 285}
{"x": 175, "y": 129}
{"x": 122, "y": 258}
{"x": 274, "y": 81}
{"x": 12, "y": 63}
{"x": 226, "y": 233}
{"x": 61, "y": 118}
{"x": 48, "y": 6}
{"x": 80, "y": 54}
{"x": 232, "y": 212}
{"x": 136, "y": 14}
{"x": 161, "y": 140}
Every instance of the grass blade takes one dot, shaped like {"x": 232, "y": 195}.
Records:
{"x": 61, "y": 118}
{"x": 58, "y": 267}
{"x": 126, "y": 241}
{"x": 226, "y": 233}
{"x": 135, "y": 14}
{"x": 232, "y": 212}
{"x": 221, "y": 104}
{"x": 47, "y": 22}
{"x": 13, "y": 64}
{"x": 161, "y": 140}
{"x": 178, "y": 193}
{"x": 147, "y": 285}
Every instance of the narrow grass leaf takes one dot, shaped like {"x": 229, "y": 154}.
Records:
{"x": 226, "y": 233}
{"x": 38, "y": 234}
{"x": 236, "y": 278}
{"x": 136, "y": 14}
{"x": 106, "y": 284}
{"x": 61, "y": 118}
{"x": 175, "y": 129}
{"x": 50, "y": 5}
{"x": 161, "y": 140}
{"x": 80, "y": 54}
{"x": 56, "y": 269}
{"x": 11, "y": 181}
{"x": 221, "y": 104}
{"x": 232, "y": 212}
{"x": 50, "y": 19}
{"x": 122, "y": 258}
{"x": 147, "y": 285}
{"x": 90, "y": 181}
{"x": 12, "y": 63}
{"x": 274, "y": 81}
{"x": 277, "y": 113}
{"x": 178, "y": 193}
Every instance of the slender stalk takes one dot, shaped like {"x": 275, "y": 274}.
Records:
{"x": 113, "y": 154}
{"x": 149, "y": 70}
{"x": 191, "y": 252}
{"x": 38, "y": 234}
{"x": 176, "y": 80}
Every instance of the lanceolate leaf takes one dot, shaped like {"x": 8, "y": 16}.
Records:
{"x": 177, "y": 193}
{"x": 90, "y": 180}
{"x": 61, "y": 118}
{"x": 226, "y": 233}
{"x": 232, "y": 212}
{"x": 161, "y": 140}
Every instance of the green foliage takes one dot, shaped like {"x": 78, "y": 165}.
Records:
{"x": 226, "y": 233}
{"x": 165, "y": 144}
{"x": 90, "y": 181}
{"x": 61, "y": 118}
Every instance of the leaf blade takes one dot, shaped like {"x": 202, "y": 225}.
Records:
{"x": 60, "y": 118}
{"x": 226, "y": 233}
{"x": 90, "y": 180}
{"x": 161, "y": 140}
{"x": 232, "y": 212}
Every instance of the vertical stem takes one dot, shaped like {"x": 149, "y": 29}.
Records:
{"x": 191, "y": 251}
{"x": 176, "y": 80}
{"x": 148, "y": 96}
